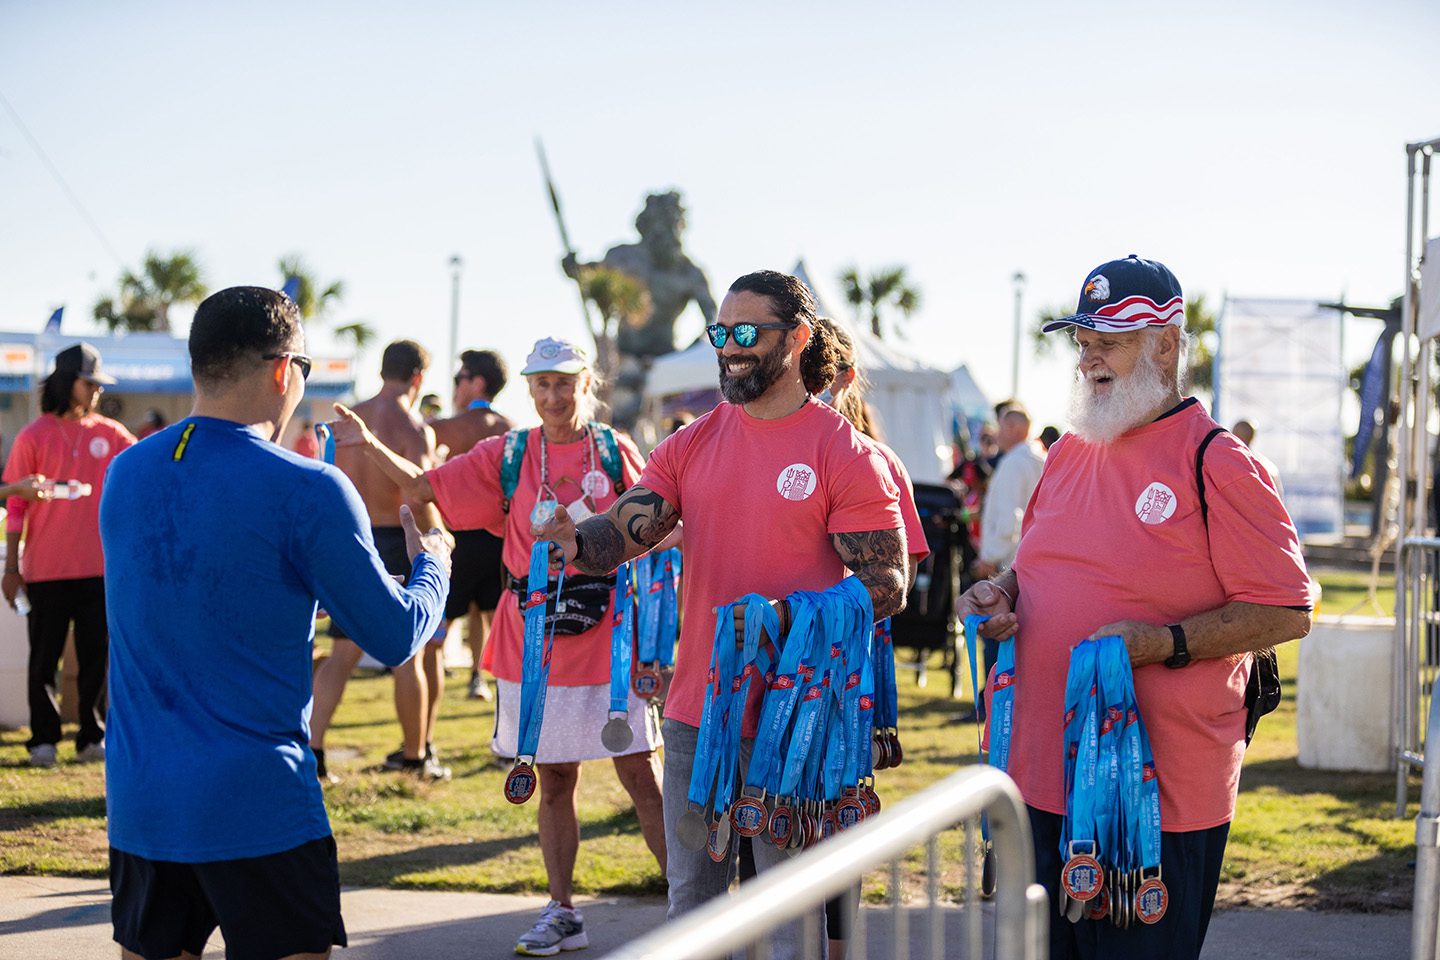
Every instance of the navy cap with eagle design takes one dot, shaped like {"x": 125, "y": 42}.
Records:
{"x": 1125, "y": 295}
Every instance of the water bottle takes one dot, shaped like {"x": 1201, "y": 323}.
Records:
{"x": 65, "y": 489}
{"x": 22, "y": 603}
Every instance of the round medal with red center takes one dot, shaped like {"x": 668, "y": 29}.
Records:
{"x": 717, "y": 844}
{"x": 520, "y": 783}
{"x": 646, "y": 682}
{"x": 748, "y": 816}
{"x": 1151, "y": 900}
{"x": 849, "y": 812}
{"x": 1082, "y": 878}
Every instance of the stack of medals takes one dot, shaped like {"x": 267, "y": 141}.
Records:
{"x": 886, "y": 746}
{"x": 616, "y": 735}
{"x": 1001, "y": 720}
{"x": 1111, "y": 836}
{"x": 535, "y": 663}
{"x": 811, "y": 769}
{"x": 658, "y": 618}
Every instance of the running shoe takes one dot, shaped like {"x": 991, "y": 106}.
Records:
{"x": 395, "y": 760}
{"x": 479, "y": 689}
{"x": 42, "y": 755}
{"x": 559, "y": 928}
{"x": 93, "y": 753}
{"x": 427, "y": 769}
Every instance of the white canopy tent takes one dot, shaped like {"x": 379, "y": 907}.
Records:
{"x": 910, "y": 398}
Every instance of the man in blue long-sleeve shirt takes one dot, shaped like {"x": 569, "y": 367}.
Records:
{"x": 219, "y": 543}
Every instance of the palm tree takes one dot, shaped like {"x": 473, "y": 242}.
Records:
{"x": 618, "y": 298}
{"x": 145, "y": 298}
{"x": 883, "y": 288}
{"x": 315, "y": 299}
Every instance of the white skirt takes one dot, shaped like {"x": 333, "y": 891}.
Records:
{"x": 570, "y": 730}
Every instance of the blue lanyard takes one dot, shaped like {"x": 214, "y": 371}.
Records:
{"x": 647, "y": 645}
{"x": 1080, "y": 747}
{"x": 622, "y": 633}
{"x": 326, "y": 439}
{"x": 717, "y": 747}
{"x": 753, "y": 661}
{"x": 887, "y": 699}
{"x": 782, "y": 693}
{"x": 535, "y": 670}
{"x": 670, "y": 605}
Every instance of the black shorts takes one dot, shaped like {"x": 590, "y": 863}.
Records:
{"x": 266, "y": 907}
{"x": 475, "y": 573}
{"x": 390, "y": 544}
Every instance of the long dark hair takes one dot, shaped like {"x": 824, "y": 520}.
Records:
{"x": 57, "y": 392}
{"x": 851, "y": 405}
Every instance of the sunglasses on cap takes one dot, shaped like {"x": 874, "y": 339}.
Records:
{"x": 299, "y": 359}
{"x": 745, "y": 333}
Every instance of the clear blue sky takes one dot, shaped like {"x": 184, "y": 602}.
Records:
{"x": 1255, "y": 148}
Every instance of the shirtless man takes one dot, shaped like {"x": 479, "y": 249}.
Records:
{"x": 391, "y": 414}
{"x": 475, "y": 581}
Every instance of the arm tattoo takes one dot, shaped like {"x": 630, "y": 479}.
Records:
{"x": 636, "y": 522}
{"x": 878, "y": 559}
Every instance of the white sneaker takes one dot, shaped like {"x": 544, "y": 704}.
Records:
{"x": 42, "y": 755}
{"x": 94, "y": 753}
{"x": 559, "y": 928}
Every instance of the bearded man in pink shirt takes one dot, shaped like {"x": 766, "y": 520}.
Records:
{"x": 1116, "y": 540}
{"x": 62, "y": 569}
{"x": 778, "y": 493}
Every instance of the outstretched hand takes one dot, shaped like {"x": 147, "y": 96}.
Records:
{"x": 560, "y": 531}
{"x": 348, "y": 429}
{"x": 988, "y": 600}
{"x": 434, "y": 541}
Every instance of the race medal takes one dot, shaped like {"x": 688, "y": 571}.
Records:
{"x": 717, "y": 842}
{"x": 848, "y": 813}
{"x": 596, "y": 484}
{"x": 646, "y": 682}
{"x": 543, "y": 513}
{"x": 1099, "y": 908}
{"x": 1082, "y": 878}
{"x": 872, "y": 801}
{"x": 880, "y": 751}
{"x": 520, "y": 783}
{"x": 812, "y": 830}
{"x": 691, "y": 830}
{"x": 616, "y": 735}
{"x": 748, "y": 816}
{"x": 827, "y": 824}
{"x": 897, "y": 755}
{"x": 782, "y": 824}
{"x": 1151, "y": 900}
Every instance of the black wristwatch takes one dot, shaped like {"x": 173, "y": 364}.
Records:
{"x": 1181, "y": 656}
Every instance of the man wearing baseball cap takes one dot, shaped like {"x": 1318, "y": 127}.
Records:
{"x": 62, "y": 571}
{"x": 1118, "y": 541}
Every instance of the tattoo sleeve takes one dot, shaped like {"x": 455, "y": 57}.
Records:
{"x": 878, "y": 559}
{"x": 635, "y": 523}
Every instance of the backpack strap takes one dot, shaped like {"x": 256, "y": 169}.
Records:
{"x": 609, "y": 449}
{"x": 510, "y": 461}
{"x": 1200, "y": 475}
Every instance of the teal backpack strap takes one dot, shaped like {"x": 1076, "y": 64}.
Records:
{"x": 512, "y": 458}
{"x": 609, "y": 449}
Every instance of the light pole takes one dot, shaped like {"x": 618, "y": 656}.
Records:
{"x": 455, "y": 265}
{"x": 1019, "y": 280}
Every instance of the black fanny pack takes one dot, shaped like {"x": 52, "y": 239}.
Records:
{"x": 582, "y": 604}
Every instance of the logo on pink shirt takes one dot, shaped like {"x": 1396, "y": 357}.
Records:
{"x": 1156, "y": 504}
{"x": 99, "y": 448}
{"x": 796, "y": 482}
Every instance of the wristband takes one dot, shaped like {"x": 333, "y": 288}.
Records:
{"x": 996, "y": 585}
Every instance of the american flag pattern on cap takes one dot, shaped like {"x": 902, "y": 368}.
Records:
{"x": 1124, "y": 295}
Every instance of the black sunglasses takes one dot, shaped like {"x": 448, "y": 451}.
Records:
{"x": 745, "y": 333}
{"x": 299, "y": 359}
{"x": 462, "y": 376}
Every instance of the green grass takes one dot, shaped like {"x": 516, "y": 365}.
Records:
{"x": 1300, "y": 837}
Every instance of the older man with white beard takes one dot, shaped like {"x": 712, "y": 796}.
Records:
{"x": 1115, "y": 542}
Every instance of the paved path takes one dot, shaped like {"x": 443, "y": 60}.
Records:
{"x": 60, "y": 918}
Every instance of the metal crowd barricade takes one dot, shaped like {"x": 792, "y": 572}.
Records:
{"x": 1417, "y": 654}
{"x": 1425, "y": 921}
{"x": 795, "y": 890}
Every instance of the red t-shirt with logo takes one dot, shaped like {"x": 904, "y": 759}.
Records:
{"x": 467, "y": 491}
{"x": 760, "y": 500}
{"x": 1114, "y": 532}
{"x": 62, "y": 537}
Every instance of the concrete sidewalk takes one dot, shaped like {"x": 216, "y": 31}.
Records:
{"x": 59, "y": 918}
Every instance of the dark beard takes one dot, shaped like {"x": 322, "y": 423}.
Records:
{"x": 760, "y": 378}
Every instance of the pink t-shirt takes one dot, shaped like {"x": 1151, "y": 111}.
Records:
{"x": 909, "y": 513}
{"x": 62, "y": 537}
{"x": 760, "y": 500}
{"x": 1114, "y": 532}
{"x": 467, "y": 491}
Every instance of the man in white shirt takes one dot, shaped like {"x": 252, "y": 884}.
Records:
{"x": 1015, "y": 477}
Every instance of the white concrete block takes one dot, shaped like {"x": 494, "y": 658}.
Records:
{"x": 1345, "y": 693}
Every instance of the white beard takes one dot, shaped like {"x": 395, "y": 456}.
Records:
{"x": 1131, "y": 401}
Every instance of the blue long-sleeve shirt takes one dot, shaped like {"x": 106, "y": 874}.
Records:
{"x": 218, "y": 544}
